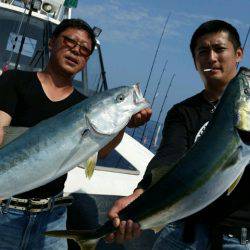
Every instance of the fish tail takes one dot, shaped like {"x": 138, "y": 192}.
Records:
{"x": 86, "y": 239}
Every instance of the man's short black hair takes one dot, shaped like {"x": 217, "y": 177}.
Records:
{"x": 78, "y": 24}
{"x": 214, "y": 26}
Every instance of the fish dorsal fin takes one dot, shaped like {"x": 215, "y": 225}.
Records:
{"x": 234, "y": 184}
{"x": 11, "y": 133}
{"x": 91, "y": 245}
{"x": 90, "y": 166}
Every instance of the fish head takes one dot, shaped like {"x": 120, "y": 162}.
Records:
{"x": 113, "y": 109}
{"x": 243, "y": 103}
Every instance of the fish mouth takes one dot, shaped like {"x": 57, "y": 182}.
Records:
{"x": 137, "y": 95}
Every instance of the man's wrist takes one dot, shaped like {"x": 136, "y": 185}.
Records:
{"x": 138, "y": 191}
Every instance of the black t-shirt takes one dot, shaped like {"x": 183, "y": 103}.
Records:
{"x": 183, "y": 124}
{"x": 23, "y": 98}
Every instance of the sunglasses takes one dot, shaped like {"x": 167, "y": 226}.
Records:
{"x": 71, "y": 43}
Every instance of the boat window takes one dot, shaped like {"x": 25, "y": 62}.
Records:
{"x": 34, "y": 33}
{"x": 14, "y": 43}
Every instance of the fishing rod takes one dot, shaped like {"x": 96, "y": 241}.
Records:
{"x": 150, "y": 73}
{"x": 6, "y": 66}
{"x": 156, "y": 91}
{"x": 42, "y": 55}
{"x": 24, "y": 34}
{"x": 157, "y": 135}
{"x": 243, "y": 47}
{"x": 156, "y": 53}
{"x": 103, "y": 72}
{"x": 165, "y": 98}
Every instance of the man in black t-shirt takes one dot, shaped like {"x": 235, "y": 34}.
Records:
{"x": 26, "y": 98}
{"x": 216, "y": 50}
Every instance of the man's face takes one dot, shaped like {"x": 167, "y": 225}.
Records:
{"x": 215, "y": 51}
{"x": 70, "y": 50}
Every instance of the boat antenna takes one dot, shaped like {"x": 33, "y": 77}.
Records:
{"x": 162, "y": 106}
{"x": 153, "y": 63}
{"x": 155, "y": 94}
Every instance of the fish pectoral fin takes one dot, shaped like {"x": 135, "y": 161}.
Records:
{"x": 87, "y": 245}
{"x": 234, "y": 184}
{"x": 90, "y": 166}
{"x": 157, "y": 228}
{"x": 84, "y": 238}
{"x": 11, "y": 133}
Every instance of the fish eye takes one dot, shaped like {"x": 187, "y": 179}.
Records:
{"x": 247, "y": 91}
{"x": 120, "y": 98}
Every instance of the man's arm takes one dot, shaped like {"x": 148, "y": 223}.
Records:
{"x": 173, "y": 146}
{"x": 5, "y": 120}
{"x": 127, "y": 230}
{"x": 8, "y": 99}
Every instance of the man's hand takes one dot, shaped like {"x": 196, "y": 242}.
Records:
{"x": 140, "y": 118}
{"x": 127, "y": 230}
{"x": 5, "y": 120}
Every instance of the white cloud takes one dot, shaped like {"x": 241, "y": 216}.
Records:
{"x": 121, "y": 23}
{"x": 126, "y": 22}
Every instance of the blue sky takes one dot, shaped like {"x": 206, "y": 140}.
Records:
{"x": 132, "y": 29}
